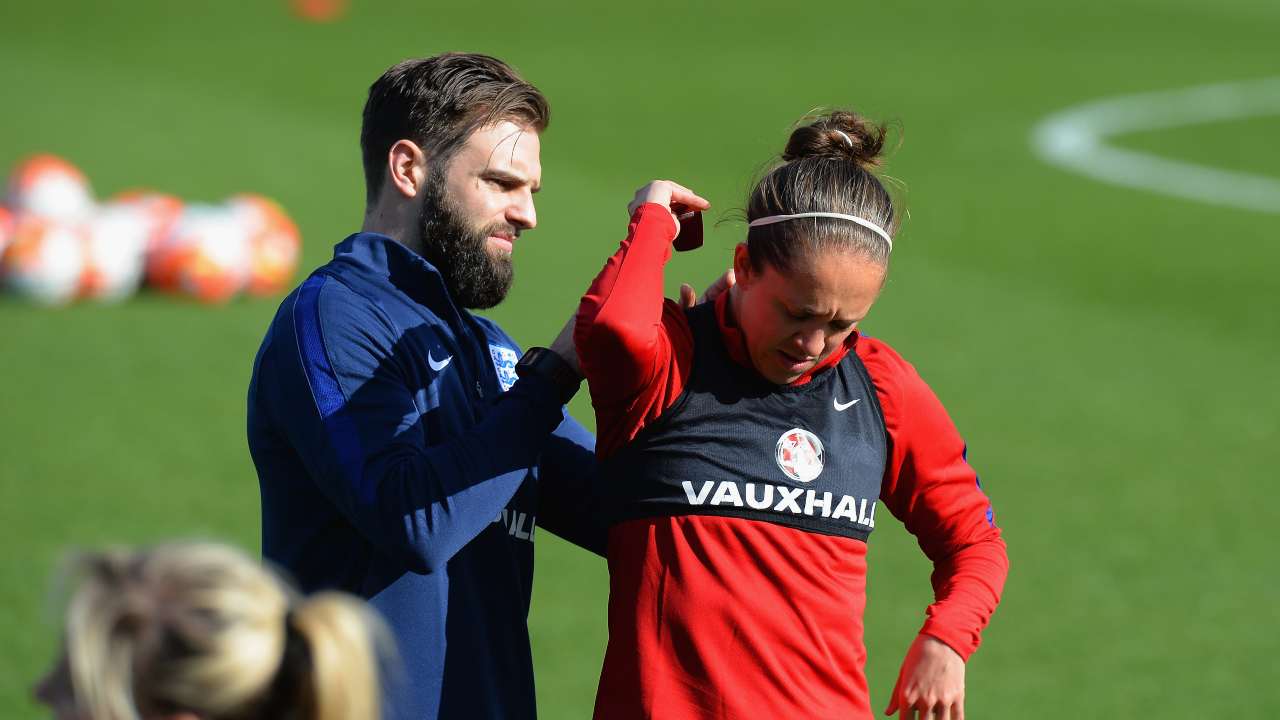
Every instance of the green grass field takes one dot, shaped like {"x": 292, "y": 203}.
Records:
{"x": 1108, "y": 353}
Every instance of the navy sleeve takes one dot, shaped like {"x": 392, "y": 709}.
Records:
{"x": 566, "y": 488}
{"x": 343, "y": 400}
{"x": 567, "y": 500}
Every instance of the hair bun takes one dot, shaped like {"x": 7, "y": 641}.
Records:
{"x": 839, "y": 135}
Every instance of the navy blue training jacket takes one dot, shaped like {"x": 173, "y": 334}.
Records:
{"x": 400, "y": 459}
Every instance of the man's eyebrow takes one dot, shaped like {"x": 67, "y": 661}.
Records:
{"x": 509, "y": 177}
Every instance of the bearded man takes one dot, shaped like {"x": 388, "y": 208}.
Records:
{"x": 399, "y": 457}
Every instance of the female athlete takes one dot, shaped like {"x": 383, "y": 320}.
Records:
{"x": 746, "y": 444}
{"x": 202, "y": 632}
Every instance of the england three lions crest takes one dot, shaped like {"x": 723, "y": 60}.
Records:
{"x": 799, "y": 454}
{"x": 504, "y": 362}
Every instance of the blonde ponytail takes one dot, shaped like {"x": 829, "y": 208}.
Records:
{"x": 102, "y": 637}
{"x": 344, "y": 656}
{"x": 205, "y": 629}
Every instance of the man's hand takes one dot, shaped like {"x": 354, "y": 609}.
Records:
{"x": 674, "y": 197}
{"x": 688, "y": 298}
{"x": 930, "y": 684}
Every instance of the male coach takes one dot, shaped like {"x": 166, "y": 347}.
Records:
{"x": 399, "y": 456}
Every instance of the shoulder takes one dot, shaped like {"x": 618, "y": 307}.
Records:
{"x": 328, "y": 319}
{"x": 887, "y": 367}
{"x": 674, "y": 315}
{"x": 899, "y": 386}
{"x": 679, "y": 332}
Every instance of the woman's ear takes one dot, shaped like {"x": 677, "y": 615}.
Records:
{"x": 742, "y": 266}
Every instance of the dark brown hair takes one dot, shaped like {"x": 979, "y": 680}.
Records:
{"x": 827, "y": 166}
{"x": 437, "y": 102}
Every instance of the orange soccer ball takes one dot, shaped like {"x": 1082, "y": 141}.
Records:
{"x": 212, "y": 253}
{"x": 48, "y": 186}
{"x": 274, "y": 243}
{"x": 319, "y": 10}
{"x": 6, "y": 230}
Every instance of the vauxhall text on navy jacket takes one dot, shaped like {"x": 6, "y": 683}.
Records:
{"x": 400, "y": 460}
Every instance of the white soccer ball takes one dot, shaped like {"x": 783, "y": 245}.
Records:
{"x": 50, "y": 187}
{"x": 45, "y": 260}
{"x": 161, "y": 211}
{"x": 115, "y": 251}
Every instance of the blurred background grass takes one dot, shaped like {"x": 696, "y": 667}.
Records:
{"x": 1108, "y": 353}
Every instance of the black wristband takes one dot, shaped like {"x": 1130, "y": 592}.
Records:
{"x": 547, "y": 364}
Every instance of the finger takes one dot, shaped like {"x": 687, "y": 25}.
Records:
{"x": 942, "y": 712}
{"x": 681, "y": 195}
{"x": 895, "y": 697}
{"x": 687, "y": 202}
{"x": 957, "y": 710}
{"x": 687, "y": 297}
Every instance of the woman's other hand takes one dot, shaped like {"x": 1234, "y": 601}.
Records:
{"x": 930, "y": 684}
{"x": 689, "y": 297}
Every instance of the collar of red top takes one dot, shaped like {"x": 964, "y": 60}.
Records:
{"x": 736, "y": 342}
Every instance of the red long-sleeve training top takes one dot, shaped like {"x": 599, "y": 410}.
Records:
{"x": 721, "y": 617}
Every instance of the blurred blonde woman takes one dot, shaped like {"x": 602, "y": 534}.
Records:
{"x": 201, "y": 631}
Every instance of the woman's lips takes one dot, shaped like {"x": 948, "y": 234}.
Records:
{"x": 793, "y": 364}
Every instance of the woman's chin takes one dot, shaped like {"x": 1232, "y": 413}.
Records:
{"x": 780, "y": 373}
{"x": 787, "y": 369}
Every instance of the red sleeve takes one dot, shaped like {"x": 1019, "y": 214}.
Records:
{"x": 930, "y": 486}
{"x": 635, "y": 347}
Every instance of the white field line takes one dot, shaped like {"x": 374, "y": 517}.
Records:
{"x": 1076, "y": 139}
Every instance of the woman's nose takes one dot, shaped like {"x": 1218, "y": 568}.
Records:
{"x": 811, "y": 342}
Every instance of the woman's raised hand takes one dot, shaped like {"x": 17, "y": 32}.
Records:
{"x": 675, "y": 197}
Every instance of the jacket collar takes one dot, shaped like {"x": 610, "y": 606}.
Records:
{"x": 378, "y": 259}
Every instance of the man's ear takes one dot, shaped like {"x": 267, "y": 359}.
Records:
{"x": 742, "y": 266}
{"x": 406, "y": 168}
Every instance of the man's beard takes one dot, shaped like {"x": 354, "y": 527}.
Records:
{"x": 476, "y": 279}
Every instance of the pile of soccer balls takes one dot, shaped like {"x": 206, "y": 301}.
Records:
{"x": 58, "y": 244}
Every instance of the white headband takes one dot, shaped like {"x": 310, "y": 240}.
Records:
{"x": 839, "y": 216}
